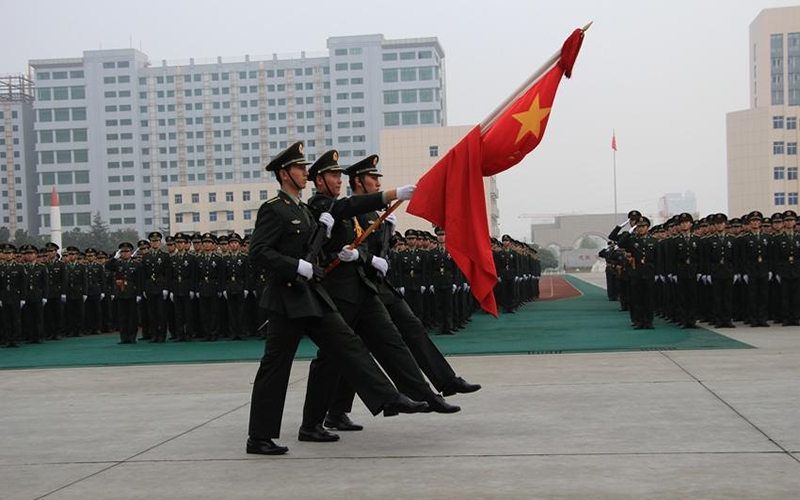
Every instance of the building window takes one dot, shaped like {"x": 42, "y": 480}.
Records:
{"x": 791, "y": 173}
{"x": 791, "y": 148}
{"x": 391, "y": 119}
{"x": 791, "y": 122}
{"x": 777, "y": 148}
{"x": 229, "y": 196}
{"x": 196, "y": 217}
{"x": 780, "y": 198}
{"x": 777, "y": 173}
{"x": 212, "y": 197}
{"x": 777, "y": 122}
{"x": 793, "y": 198}
{"x": 389, "y": 75}
{"x": 390, "y": 56}
{"x": 179, "y": 218}
{"x": 229, "y": 216}
{"x": 178, "y": 199}
{"x": 212, "y": 216}
{"x": 433, "y": 151}
{"x": 262, "y": 195}
{"x": 246, "y": 195}
{"x": 195, "y": 197}
{"x": 248, "y": 214}
{"x": 776, "y": 68}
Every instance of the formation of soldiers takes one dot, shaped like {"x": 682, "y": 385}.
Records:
{"x": 518, "y": 273}
{"x": 713, "y": 270}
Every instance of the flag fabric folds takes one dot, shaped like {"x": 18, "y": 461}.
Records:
{"x": 451, "y": 195}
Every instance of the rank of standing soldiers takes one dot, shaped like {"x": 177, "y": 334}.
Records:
{"x": 713, "y": 270}
{"x": 204, "y": 287}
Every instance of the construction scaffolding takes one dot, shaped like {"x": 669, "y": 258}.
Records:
{"x": 16, "y": 88}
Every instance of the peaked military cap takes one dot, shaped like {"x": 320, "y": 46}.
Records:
{"x": 438, "y": 230}
{"x": 720, "y": 218}
{"x": 72, "y": 249}
{"x": 27, "y": 249}
{"x": 169, "y": 239}
{"x": 181, "y": 237}
{"x": 7, "y": 247}
{"x": 327, "y": 162}
{"x": 125, "y": 246}
{"x": 685, "y": 217}
{"x": 102, "y": 255}
{"x": 196, "y": 237}
{"x": 411, "y": 233}
{"x": 154, "y": 235}
{"x": 51, "y": 246}
{"x": 634, "y": 214}
{"x": 143, "y": 244}
{"x": 643, "y": 221}
{"x": 776, "y": 217}
{"x": 368, "y": 165}
{"x": 222, "y": 239}
{"x": 234, "y": 237}
{"x": 91, "y": 251}
{"x": 789, "y": 215}
{"x": 755, "y": 214}
{"x": 291, "y": 156}
{"x": 43, "y": 252}
{"x": 208, "y": 237}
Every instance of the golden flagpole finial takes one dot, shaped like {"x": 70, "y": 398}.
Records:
{"x": 586, "y": 28}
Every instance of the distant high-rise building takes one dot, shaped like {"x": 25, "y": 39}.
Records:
{"x": 762, "y": 140}
{"x": 17, "y": 155}
{"x": 115, "y": 132}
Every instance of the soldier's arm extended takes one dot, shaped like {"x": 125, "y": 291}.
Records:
{"x": 266, "y": 236}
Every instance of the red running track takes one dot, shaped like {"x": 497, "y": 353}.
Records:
{"x": 556, "y": 288}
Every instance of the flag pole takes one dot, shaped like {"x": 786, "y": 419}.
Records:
{"x": 527, "y": 84}
{"x": 614, "y": 155}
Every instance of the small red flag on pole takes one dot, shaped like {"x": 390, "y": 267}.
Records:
{"x": 614, "y": 141}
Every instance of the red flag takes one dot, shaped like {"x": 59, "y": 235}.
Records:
{"x": 450, "y": 194}
{"x": 614, "y": 141}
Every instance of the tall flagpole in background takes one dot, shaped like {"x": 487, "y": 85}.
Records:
{"x": 614, "y": 155}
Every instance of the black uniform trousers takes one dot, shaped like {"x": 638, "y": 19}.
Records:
{"x": 723, "y": 297}
{"x": 209, "y": 306}
{"x": 611, "y": 284}
{"x": 128, "y": 319}
{"x": 428, "y": 357}
{"x": 53, "y": 313}
{"x": 444, "y": 309}
{"x": 331, "y": 334}
{"x": 758, "y": 298}
{"x": 33, "y": 320}
{"x": 415, "y": 300}
{"x": 183, "y": 311}
{"x": 370, "y": 320}
{"x": 687, "y": 297}
{"x": 642, "y": 300}
{"x": 74, "y": 317}
{"x": 236, "y": 315}
{"x": 790, "y": 299}
{"x": 12, "y": 321}
{"x": 155, "y": 315}
{"x": 92, "y": 315}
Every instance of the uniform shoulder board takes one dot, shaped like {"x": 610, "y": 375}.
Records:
{"x": 273, "y": 199}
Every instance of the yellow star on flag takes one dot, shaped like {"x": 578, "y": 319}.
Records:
{"x": 531, "y": 120}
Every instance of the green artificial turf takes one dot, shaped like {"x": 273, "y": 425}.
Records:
{"x": 589, "y": 323}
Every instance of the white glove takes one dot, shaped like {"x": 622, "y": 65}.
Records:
{"x": 112, "y": 297}
{"x": 144, "y": 294}
{"x": 699, "y": 276}
{"x": 467, "y": 287}
{"x": 391, "y": 219}
{"x": 625, "y": 223}
{"x": 164, "y": 294}
{"x": 746, "y": 279}
{"x": 656, "y": 278}
{"x": 778, "y": 278}
{"x": 21, "y": 304}
{"x": 219, "y": 295}
{"x": 709, "y": 280}
{"x": 172, "y": 296}
{"x": 499, "y": 279}
{"x": 406, "y": 192}
{"x": 138, "y": 299}
{"x": 381, "y": 265}
{"x": 191, "y": 295}
{"x": 1, "y": 303}
{"x": 422, "y": 289}
{"x": 430, "y": 288}
{"x": 102, "y": 296}
{"x": 255, "y": 293}
{"x": 348, "y": 254}
{"x": 246, "y": 293}
{"x": 225, "y": 294}
{"x": 736, "y": 278}
{"x": 674, "y": 279}
{"x": 327, "y": 220}
{"x": 305, "y": 269}
{"x": 44, "y": 302}
{"x": 116, "y": 254}
{"x": 402, "y": 290}
{"x": 769, "y": 276}
{"x": 63, "y": 298}
{"x": 455, "y": 287}
{"x": 84, "y": 297}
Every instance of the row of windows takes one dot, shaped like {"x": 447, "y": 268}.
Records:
{"x": 108, "y": 80}
{"x": 778, "y": 149}
{"x": 243, "y": 75}
{"x": 410, "y": 96}
{"x": 13, "y": 115}
{"x": 212, "y": 197}
{"x": 113, "y": 93}
{"x": 782, "y": 198}
{"x": 406, "y": 56}
{"x": 64, "y": 156}
{"x": 59, "y": 75}
{"x": 778, "y": 173}
{"x": 60, "y": 93}
{"x": 778, "y": 122}
{"x": 353, "y": 51}
{"x": 410, "y": 74}
{"x": 64, "y": 178}
{"x": 427, "y": 117}
{"x": 351, "y": 66}
{"x": 349, "y": 81}
{"x": 67, "y": 199}
{"x": 117, "y": 64}
{"x": 63, "y": 135}
{"x": 227, "y": 215}
{"x": 61, "y": 114}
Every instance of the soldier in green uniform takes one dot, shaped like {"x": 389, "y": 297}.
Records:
{"x": 13, "y": 282}
{"x": 755, "y": 248}
{"x": 234, "y": 286}
{"x": 299, "y": 305}
{"x": 181, "y": 287}
{"x": 155, "y": 277}
{"x": 35, "y": 294}
{"x": 77, "y": 292}
{"x": 56, "y": 296}
{"x": 96, "y": 278}
{"x": 127, "y": 291}
{"x": 786, "y": 258}
{"x": 208, "y": 266}
{"x": 642, "y": 248}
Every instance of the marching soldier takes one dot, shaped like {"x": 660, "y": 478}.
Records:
{"x": 300, "y": 305}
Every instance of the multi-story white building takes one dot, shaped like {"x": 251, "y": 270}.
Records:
{"x": 17, "y": 156}
{"x": 115, "y": 132}
{"x": 762, "y": 140}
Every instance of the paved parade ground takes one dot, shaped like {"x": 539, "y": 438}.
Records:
{"x": 613, "y": 414}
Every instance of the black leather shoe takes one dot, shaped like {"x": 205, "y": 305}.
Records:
{"x": 402, "y": 404}
{"x": 317, "y": 434}
{"x": 460, "y": 386}
{"x": 265, "y": 447}
{"x": 438, "y": 404}
{"x": 341, "y": 422}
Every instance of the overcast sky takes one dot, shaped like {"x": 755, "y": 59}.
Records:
{"x": 662, "y": 73}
